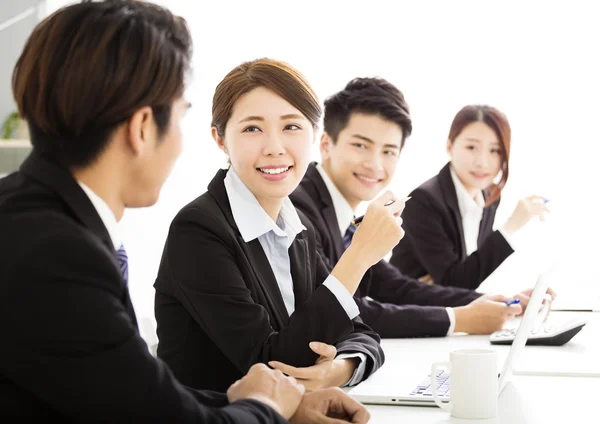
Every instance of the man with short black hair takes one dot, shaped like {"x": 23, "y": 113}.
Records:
{"x": 365, "y": 128}
{"x": 101, "y": 86}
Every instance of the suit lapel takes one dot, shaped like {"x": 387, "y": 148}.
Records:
{"x": 266, "y": 278}
{"x": 332, "y": 227}
{"x": 487, "y": 221}
{"x": 327, "y": 209}
{"x": 254, "y": 253}
{"x": 300, "y": 268}
{"x": 451, "y": 200}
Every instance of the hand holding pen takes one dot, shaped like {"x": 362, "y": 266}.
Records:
{"x": 356, "y": 222}
{"x": 380, "y": 228}
{"x": 523, "y": 297}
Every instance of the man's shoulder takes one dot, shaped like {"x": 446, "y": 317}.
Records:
{"x": 30, "y": 212}
{"x": 306, "y": 192}
{"x": 26, "y": 205}
{"x": 308, "y": 198}
{"x": 43, "y": 229}
{"x": 306, "y": 204}
{"x": 21, "y": 194}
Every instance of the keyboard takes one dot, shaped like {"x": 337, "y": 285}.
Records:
{"x": 552, "y": 333}
{"x": 424, "y": 389}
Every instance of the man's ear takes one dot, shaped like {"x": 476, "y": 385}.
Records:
{"x": 141, "y": 130}
{"x": 218, "y": 139}
{"x": 325, "y": 145}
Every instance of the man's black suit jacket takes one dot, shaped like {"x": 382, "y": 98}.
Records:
{"x": 70, "y": 347}
{"x": 391, "y": 303}
{"x": 435, "y": 244}
{"x": 219, "y": 308}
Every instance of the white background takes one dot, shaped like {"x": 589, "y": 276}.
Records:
{"x": 536, "y": 61}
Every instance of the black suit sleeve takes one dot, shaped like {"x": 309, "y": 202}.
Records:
{"x": 397, "y": 321}
{"x": 67, "y": 339}
{"x": 209, "y": 280}
{"x": 362, "y": 340}
{"x": 391, "y": 303}
{"x": 388, "y": 284}
{"x": 437, "y": 252}
{"x": 398, "y": 306}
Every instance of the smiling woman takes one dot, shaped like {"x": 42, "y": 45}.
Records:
{"x": 240, "y": 280}
{"x": 268, "y": 146}
{"x": 448, "y": 223}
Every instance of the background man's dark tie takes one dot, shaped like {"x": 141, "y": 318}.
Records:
{"x": 122, "y": 258}
{"x": 348, "y": 236}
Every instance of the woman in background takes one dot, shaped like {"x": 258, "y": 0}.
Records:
{"x": 448, "y": 222}
{"x": 240, "y": 281}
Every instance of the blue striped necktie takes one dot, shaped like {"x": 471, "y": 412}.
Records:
{"x": 348, "y": 236}
{"x": 122, "y": 258}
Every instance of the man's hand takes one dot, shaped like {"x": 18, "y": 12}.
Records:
{"x": 525, "y": 295}
{"x": 330, "y": 406}
{"x": 326, "y": 372}
{"x": 485, "y": 315}
{"x": 270, "y": 387}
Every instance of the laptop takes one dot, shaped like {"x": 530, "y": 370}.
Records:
{"x": 384, "y": 389}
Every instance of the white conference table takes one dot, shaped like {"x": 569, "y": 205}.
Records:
{"x": 551, "y": 384}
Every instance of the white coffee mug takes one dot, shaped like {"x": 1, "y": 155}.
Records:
{"x": 473, "y": 383}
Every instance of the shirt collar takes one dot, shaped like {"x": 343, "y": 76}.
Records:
{"x": 343, "y": 211}
{"x": 466, "y": 204}
{"x": 106, "y": 215}
{"x": 251, "y": 218}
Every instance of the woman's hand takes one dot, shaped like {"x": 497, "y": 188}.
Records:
{"x": 327, "y": 371}
{"x": 379, "y": 231}
{"x": 526, "y": 209}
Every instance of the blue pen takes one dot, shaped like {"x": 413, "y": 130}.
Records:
{"x": 513, "y": 302}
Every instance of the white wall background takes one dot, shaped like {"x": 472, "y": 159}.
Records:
{"x": 536, "y": 61}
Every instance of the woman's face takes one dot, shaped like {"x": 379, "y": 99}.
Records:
{"x": 476, "y": 156}
{"x": 268, "y": 142}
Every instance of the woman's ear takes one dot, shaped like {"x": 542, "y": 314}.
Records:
{"x": 218, "y": 139}
{"x": 449, "y": 147}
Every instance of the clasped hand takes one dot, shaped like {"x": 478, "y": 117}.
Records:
{"x": 327, "y": 371}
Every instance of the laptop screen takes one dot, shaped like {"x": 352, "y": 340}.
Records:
{"x": 527, "y": 323}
